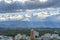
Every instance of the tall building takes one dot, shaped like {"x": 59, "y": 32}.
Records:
{"x": 32, "y": 34}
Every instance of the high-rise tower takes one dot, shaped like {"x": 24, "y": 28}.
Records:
{"x": 32, "y": 34}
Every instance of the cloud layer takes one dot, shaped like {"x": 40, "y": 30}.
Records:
{"x": 30, "y": 4}
{"x": 32, "y": 15}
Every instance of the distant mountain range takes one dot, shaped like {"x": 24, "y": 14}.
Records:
{"x": 26, "y": 24}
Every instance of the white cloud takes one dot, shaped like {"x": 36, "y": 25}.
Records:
{"x": 27, "y": 15}
{"x": 3, "y": 19}
{"x": 16, "y": 17}
{"x": 26, "y": 19}
{"x": 8, "y": 1}
{"x": 43, "y": 1}
{"x": 0, "y": 0}
{"x": 30, "y": 15}
{"x": 42, "y": 15}
{"x": 22, "y": 1}
{"x": 6, "y": 17}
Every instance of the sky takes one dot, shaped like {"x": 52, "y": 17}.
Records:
{"x": 6, "y": 5}
{"x": 30, "y": 10}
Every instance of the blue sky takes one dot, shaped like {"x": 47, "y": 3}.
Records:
{"x": 31, "y": 11}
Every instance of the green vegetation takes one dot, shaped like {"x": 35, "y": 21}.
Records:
{"x": 55, "y": 39}
{"x": 13, "y": 32}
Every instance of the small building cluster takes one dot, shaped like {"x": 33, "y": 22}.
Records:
{"x": 34, "y": 35}
{"x": 6, "y": 37}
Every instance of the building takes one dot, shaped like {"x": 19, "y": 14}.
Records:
{"x": 18, "y": 37}
{"x": 23, "y": 37}
{"x": 10, "y": 38}
{"x": 36, "y": 34}
{"x": 55, "y": 36}
{"x": 32, "y": 34}
{"x": 45, "y": 37}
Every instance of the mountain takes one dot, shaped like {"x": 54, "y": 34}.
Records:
{"x": 27, "y": 24}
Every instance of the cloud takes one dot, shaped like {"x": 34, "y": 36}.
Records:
{"x": 55, "y": 18}
{"x": 11, "y": 17}
{"x": 31, "y": 4}
{"x": 27, "y": 17}
{"x": 31, "y": 15}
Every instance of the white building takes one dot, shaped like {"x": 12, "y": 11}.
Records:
{"x": 18, "y": 37}
{"x": 6, "y": 38}
{"x": 55, "y": 36}
{"x": 49, "y": 36}
{"x": 36, "y": 34}
{"x": 45, "y": 38}
{"x": 10, "y": 38}
{"x": 23, "y": 36}
{"x": 28, "y": 38}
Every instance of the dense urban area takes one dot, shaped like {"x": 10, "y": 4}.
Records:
{"x": 30, "y": 34}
